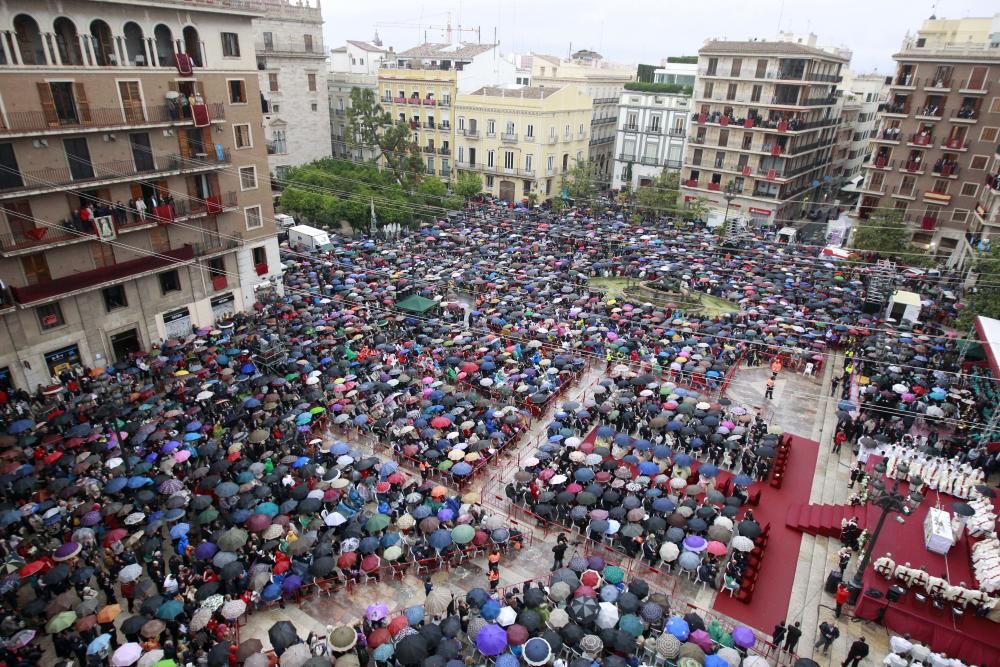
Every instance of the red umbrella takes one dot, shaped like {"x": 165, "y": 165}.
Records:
{"x": 115, "y": 535}
{"x": 370, "y": 563}
{"x": 517, "y": 634}
{"x": 33, "y": 568}
{"x": 347, "y": 560}
{"x": 378, "y": 637}
{"x": 397, "y": 624}
{"x": 480, "y": 538}
{"x": 440, "y": 422}
{"x": 716, "y": 548}
{"x": 585, "y": 591}
{"x": 590, "y": 578}
{"x": 396, "y": 478}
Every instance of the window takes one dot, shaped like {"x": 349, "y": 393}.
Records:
{"x": 995, "y": 105}
{"x": 550, "y": 165}
{"x": 460, "y": 155}
{"x": 633, "y": 120}
{"x": 970, "y": 189}
{"x": 114, "y": 297}
{"x": 253, "y": 217}
{"x": 761, "y": 68}
{"x": 230, "y": 44}
{"x": 170, "y": 281}
{"x": 241, "y": 133}
{"x": 277, "y": 144}
{"x": 731, "y": 92}
{"x": 988, "y": 134}
{"x": 755, "y": 93}
{"x": 489, "y": 181}
{"x": 216, "y": 267}
{"x": 528, "y": 159}
{"x": 978, "y": 162}
{"x": 311, "y": 80}
{"x": 314, "y": 106}
{"x": 248, "y": 178}
{"x": 259, "y": 255}
{"x": 275, "y": 108}
{"x": 510, "y": 128}
{"x": 272, "y": 81}
{"x": 461, "y": 123}
{"x": 268, "y": 41}
{"x": 709, "y": 89}
{"x": 490, "y": 159}
{"x": 491, "y": 126}
{"x": 959, "y": 215}
{"x": 508, "y": 159}
{"x": 237, "y": 91}
{"x": 50, "y": 316}
{"x": 737, "y": 66}
{"x": 530, "y": 131}
{"x": 581, "y": 129}
{"x": 307, "y": 41}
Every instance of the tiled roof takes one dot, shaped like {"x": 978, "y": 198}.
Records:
{"x": 768, "y": 48}
{"x": 366, "y": 46}
{"x": 458, "y": 51}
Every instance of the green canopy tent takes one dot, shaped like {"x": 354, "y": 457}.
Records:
{"x": 417, "y": 304}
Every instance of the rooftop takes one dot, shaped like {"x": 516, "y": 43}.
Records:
{"x": 762, "y": 47}
{"x": 366, "y": 46}
{"x": 459, "y": 51}
{"x": 523, "y": 92}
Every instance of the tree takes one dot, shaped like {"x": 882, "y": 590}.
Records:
{"x": 887, "y": 234}
{"x": 468, "y": 184}
{"x": 663, "y": 198}
{"x": 985, "y": 299}
{"x": 580, "y": 182}
{"x": 368, "y": 124}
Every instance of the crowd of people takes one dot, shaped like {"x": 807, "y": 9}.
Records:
{"x": 196, "y": 481}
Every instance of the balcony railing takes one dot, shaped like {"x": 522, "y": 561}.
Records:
{"x": 922, "y": 139}
{"x": 946, "y": 170}
{"x": 296, "y": 48}
{"x": 904, "y": 191}
{"x": 956, "y": 144}
{"x": 931, "y": 111}
{"x": 99, "y": 119}
{"x": 898, "y": 108}
{"x": 107, "y": 275}
{"x": 444, "y": 171}
{"x": 444, "y": 150}
{"x": 211, "y": 205}
{"x": 508, "y": 136}
{"x": 444, "y": 103}
{"x": 471, "y": 134}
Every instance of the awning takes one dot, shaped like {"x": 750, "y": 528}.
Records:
{"x": 988, "y": 331}
{"x": 417, "y": 304}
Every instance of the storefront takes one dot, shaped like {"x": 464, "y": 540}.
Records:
{"x": 760, "y": 216}
{"x": 125, "y": 343}
{"x": 177, "y": 323}
{"x": 223, "y": 306}
{"x": 62, "y": 359}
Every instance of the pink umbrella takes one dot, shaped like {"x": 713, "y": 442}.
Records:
{"x": 716, "y": 548}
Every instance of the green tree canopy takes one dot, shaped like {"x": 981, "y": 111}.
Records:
{"x": 580, "y": 181}
{"x": 887, "y": 234}
{"x": 468, "y": 185}
{"x": 985, "y": 299}
{"x": 369, "y": 124}
{"x": 662, "y": 197}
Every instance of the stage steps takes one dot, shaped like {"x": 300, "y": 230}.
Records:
{"x": 822, "y": 520}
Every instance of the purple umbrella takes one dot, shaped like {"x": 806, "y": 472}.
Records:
{"x": 91, "y": 518}
{"x": 491, "y": 640}
{"x": 205, "y": 551}
{"x": 695, "y": 543}
{"x": 445, "y": 514}
{"x": 291, "y": 584}
{"x": 743, "y": 637}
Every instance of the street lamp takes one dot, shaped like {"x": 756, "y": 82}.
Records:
{"x": 730, "y": 195}
{"x": 890, "y": 501}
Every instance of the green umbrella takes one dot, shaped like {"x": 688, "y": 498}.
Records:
{"x": 318, "y": 410}
{"x": 463, "y": 534}
{"x": 631, "y": 624}
{"x": 166, "y": 662}
{"x": 209, "y": 515}
{"x": 170, "y": 610}
{"x": 445, "y": 465}
{"x": 232, "y": 539}
{"x": 613, "y": 575}
{"x": 586, "y": 498}
{"x": 60, "y": 621}
{"x": 376, "y": 523}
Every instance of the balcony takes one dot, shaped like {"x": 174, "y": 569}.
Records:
{"x": 947, "y": 170}
{"x": 602, "y": 141}
{"x": 941, "y": 198}
{"x": 55, "y": 179}
{"x": 603, "y": 121}
{"x": 470, "y": 134}
{"x": 290, "y": 48}
{"x": 444, "y": 103}
{"x": 429, "y": 126}
{"x": 339, "y": 112}
{"x": 913, "y": 167}
{"x": 626, "y": 157}
{"x": 210, "y": 205}
{"x": 956, "y": 144}
{"x": 904, "y": 192}
{"x": 922, "y": 139}
{"x": 966, "y": 114}
{"x": 715, "y": 187}
{"x": 20, "y": 123}
{"x": 85, "y": 281}
{"x": 975, "y": 87}
{"x": 414, "y": 100}
{"x": 940, "y": 84}
{"x": 509, "y": 137}
{"x": 677, "y": 132}
{"x": 428, "y": 102}
{"x": 444, "y": 150}
{"x": 931, "y": 112}
{"x": 805, "y": 148}
{"x": 928, "y": 223}
{"x": 430, "y": 149}
{"x": 896, "y": 109}
{"x": 276, "y": 147}
{"x": 881, "y": 162}
{"x": 445, "y": 172}
{"x": 890, "y": 135}
{"x": 399, "y": 100}
{"x": 550, "y": 172}
{"x": 877, "y": 188}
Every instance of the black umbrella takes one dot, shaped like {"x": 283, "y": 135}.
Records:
{"x": 133, "y": 624}
{"x": 282, "y": 635}
{"x": 534, "y": 597}
{"x": 451, "y": 626}
{"x": 583, "y": 610}
{"x": 529, "y": 619}
{"x": 219, "y": 655}
{"x": 412, "y": 650}
{"x": 321, "y": 567}
{"x": 572, "y": 633}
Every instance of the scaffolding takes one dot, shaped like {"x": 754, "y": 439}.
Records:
{"x": 880, "y": 285}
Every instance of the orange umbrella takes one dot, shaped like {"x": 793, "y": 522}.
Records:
{"x": 439, "y": 492}
{"x": 109, "y": 613}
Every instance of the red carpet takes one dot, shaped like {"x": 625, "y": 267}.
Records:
{"x": 823, "y": 520}
{"x": 970, "y": 638}
{"x": 774, "y": 584}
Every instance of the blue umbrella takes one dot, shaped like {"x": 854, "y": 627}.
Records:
{"x": 742, "y": 480}
{"x": 605, "y": 432}
{"x": 99, "y": 645}
{"x": 422, "y": 512}
{"x": 490, "y": 610}
{"x": 268, "y": 508}
{"x": 663, "y": 505}
{"x": 584, "y": 475}
{"x": 414, "y": 615}
{"x": 178, "y": 530}
{"x": 648, "y": 468}
{"x": 251, "y": 403}
{"x": 247, "y": 368}
{"x": 683, "y": 460}
{"x": 339, "y": 448}
{"x": 20, "y": 426}
{"x": 461, "y": 469}
{"x": 360, "y": 420}
{"x": 708, "y": 470}
{"x": 661, "y": 451}
{"x": 440, "y": 539}
{"x": 138, "y": 482}
{"x": 191, "y": 437}
{"x": 623, "y": 439}
{"x": 193, "y": 426}
{"x": 271, "y": 592}
{"x": 115, "y": 485}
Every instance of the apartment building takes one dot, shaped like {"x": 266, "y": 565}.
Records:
{"x": 604, "y": 82}
{"x": 763, "y": 128}
{"x": 133, "y": 183}
{"x": 522, "y": 139}
{"x": 861, "y": 95}
{"x": 419, "y": 86}
{"x": 292, "y": 69}
{"x": 354, "y": 65}
{"x": 935, "y": 147}
{"x": 652, "y": 128}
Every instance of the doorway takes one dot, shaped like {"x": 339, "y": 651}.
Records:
{"x": 125, "y": 344}
{"x": 507, "y": 190}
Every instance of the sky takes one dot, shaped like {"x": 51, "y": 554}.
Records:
{"x": 645, "y": 31}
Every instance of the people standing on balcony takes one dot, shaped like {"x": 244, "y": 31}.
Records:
{"x": 140, "y": 208}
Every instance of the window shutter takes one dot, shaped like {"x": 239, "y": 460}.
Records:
{"x": 82, "y": 105}
{"x": 48, "y": 104}
{"x": 182, "y": 141}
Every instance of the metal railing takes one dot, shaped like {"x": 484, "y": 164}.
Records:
{"x": 508, "y": 136}
{"x": 314, "y": 48}
{"x": 110, "y": 117}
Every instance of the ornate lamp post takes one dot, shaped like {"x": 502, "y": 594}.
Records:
{"x": 890, "y": 501}
{"x": 730, "y": 194}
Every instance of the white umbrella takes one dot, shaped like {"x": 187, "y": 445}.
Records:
{"x": 130, "y": 573}
{"x": 204, "y": 395}
{"x": 233, "y": 609}
{"x": 507, "y": 616}
{"x": 723, "y": 521}
{"x": 607, "y": 617}
{"x": 669, "y": 552}
{"x": 741, "y": 543}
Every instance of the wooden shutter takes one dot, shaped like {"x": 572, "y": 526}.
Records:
{"x": 36, "y": 269}
{"x": 48, "y": 104}
{"x": 136, "y": 190}
{"x": 82, "y": 105}
{"x": 182, "y": 142}
{"x": 131, "y": 101}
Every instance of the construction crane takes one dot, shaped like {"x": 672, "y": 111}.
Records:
{"x": 446, "y": 29}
